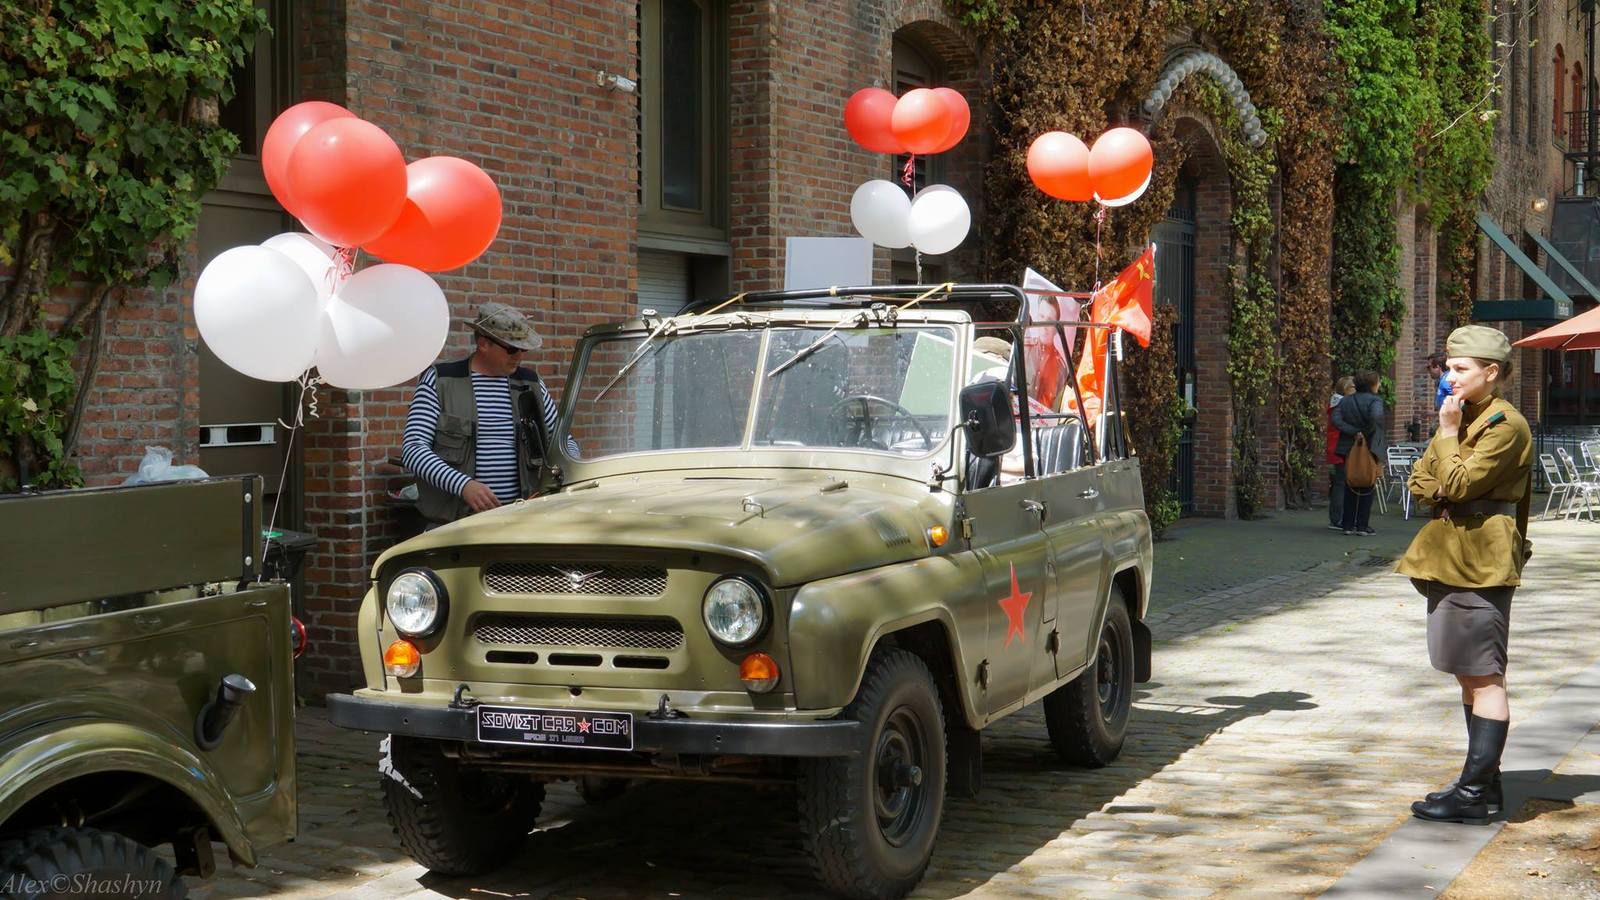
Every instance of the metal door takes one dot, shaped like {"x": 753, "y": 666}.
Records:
{"x": 1010, "y": 545}
{"x": 1175, "y": 282}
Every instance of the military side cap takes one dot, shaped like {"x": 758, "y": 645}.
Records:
{"x": 502, "y": 323}
{"x": 993, "y": 346}
{"x": 1479, "y": 342}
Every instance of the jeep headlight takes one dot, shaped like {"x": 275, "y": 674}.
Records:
{"x": 416, "y": 602}
{"x": 735, "y": 611}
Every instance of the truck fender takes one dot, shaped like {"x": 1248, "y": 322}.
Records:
{"x": 52, "y": 757}
{"x": 1141, "y": 631}
{"x": 834, "y": 624}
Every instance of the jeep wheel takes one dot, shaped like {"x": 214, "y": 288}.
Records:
{"x": 1088, "y": 716}
{"x": 455, "y": 821}
{"x": 869, "y": 821}
{"x": 64, "y": 862}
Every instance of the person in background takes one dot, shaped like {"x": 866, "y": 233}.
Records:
{"x": 1468, "y": 560}
{"x": 461, "y": 436}
{"x": 1343, "y": 386}
{"x": 1360, "y": 413}
{"x": 1441, "y": 379}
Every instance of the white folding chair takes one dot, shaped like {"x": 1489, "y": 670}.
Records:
{"x": 1397, "y": 473}
{"x": 1558, "y": 482}
{"x": 1581, "y": 492}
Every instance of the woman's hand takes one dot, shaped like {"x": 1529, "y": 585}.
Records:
{"x": 1450, "y": 417}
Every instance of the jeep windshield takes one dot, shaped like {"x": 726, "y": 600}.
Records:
{"x": 886, "y": 390}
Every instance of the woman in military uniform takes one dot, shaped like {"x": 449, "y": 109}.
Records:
{"x": 1468, "y": 560}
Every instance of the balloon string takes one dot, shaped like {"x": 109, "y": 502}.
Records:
{"x": 1099, "y": 223}
{"x": 909, "y": 173}
{"x": 343, "y": 263}
{"x": 305, "y": 403}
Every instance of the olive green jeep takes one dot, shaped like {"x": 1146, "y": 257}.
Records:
{"x": 146, "y": 688}
{"x": 802, "y": 535}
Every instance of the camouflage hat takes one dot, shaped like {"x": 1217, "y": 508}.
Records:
{"x": 994, "y": 347}
{"x": 1479, "y": 342}
{"x": 502, "y": 323}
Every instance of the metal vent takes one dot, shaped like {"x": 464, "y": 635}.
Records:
{"x": 624, "y": 632}
{"x": 610, "y": 580}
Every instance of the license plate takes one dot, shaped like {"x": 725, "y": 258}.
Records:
{"x": 574, "y": 728}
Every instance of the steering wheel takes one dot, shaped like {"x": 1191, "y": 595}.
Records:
{"x": 856, "y": 430}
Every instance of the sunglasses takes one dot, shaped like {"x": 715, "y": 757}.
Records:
{"x": 510, "y": 350}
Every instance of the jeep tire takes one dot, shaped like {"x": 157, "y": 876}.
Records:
{"x": 58, "y": 862}
{"x": 869, "y": 821}
{"x": 452, "y": 820}
{"x": 1088, "y": 716}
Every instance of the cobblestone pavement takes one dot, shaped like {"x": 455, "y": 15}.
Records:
{"x": 1292, "y": 721}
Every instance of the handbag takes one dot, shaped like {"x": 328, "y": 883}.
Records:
{"x": 1360, "y": 466}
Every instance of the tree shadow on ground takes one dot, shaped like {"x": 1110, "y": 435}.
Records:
{"x": 685, "y": 839}
{"x": 1540, "y": 784}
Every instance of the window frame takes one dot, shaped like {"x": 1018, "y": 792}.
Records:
{"x": 660, "y": 226}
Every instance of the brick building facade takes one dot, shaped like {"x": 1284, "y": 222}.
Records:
{"x": 604, "y": 213}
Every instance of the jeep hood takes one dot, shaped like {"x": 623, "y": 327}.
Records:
{"x": 798, "y": 529}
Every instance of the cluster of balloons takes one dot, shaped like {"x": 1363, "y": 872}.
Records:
{"x": 935, "y": 221}
{"x": 1114, "y": 172}
{"x": 925, "y": 120}
{"x": 273, "y": 311}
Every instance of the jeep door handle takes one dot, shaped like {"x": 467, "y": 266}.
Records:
{"x": 1035, "y": 507}
{"x": 1088, "y": 494}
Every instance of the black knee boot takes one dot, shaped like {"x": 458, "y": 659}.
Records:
{"x": 1467, "y": 801}
{"x": 1493, "y": 795}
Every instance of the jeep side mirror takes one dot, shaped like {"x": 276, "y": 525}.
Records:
{"x": 986, "y": 415}
{"x": 531, "y": 420}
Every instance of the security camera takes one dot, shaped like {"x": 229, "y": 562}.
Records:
{"x": 614, "y": 82}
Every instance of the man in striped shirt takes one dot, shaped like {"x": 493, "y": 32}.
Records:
{"x": 461, "y": 438}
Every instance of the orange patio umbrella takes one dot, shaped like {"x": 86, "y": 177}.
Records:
{"x": 1581, "y": 332}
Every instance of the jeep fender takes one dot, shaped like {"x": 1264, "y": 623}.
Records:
{"x": 54, "y": 756}
{"x": 835, "y": 622}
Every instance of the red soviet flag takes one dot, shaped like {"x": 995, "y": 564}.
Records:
{"x": 1129, "y": 297}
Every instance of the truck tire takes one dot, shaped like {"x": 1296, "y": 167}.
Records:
{"x": 61, "y": 862}
{"x": 869, "y": 821}
{"x": 1088, "y": 716}
{"x": 452, "y": 820}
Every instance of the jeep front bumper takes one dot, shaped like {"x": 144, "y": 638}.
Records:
{"x": 829, "y": 737}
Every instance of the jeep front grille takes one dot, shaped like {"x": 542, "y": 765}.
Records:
{"x": 605, "y": 579}
{"x": 625, "y": 632}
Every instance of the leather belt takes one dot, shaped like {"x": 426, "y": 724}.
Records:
{"x": 1470, "y": 508}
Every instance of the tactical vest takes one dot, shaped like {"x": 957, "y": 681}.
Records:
{"x": 455, "y": 437}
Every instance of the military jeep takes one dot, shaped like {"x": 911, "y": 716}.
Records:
{"x": 786, "y": 547}
{"x": 146, "y": 688}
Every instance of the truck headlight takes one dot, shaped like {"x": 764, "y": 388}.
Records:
{"x": 416, "y": 602}
{"x": 735, "y": 611}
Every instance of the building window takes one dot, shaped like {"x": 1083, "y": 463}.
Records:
{"x": 915, "y": 68}
{"x": 683, "y": 120}
{"x": 1558, "y": 91}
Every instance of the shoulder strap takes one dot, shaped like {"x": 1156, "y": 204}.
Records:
{"x": 460, "y": 368}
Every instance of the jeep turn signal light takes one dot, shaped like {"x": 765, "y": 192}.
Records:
{"x": 402, "y": 659}
{"x": 937, "y": 535}
{"x": 759, "y": 673}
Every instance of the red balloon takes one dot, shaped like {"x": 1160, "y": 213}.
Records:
{"x": 866, "y": 117}
{"x": 960, "y": 117}
{"x": 1119, "y": 162}
{"x": 348, "y": 180}
{"x": 921, "y": 120}
{"x": 451, "y": 215}
{"x": 286, "y": 131}
{"x": 1058, "y": 163}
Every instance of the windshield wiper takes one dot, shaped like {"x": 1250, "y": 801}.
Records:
{"x": 858, "y": 319}
{"x": 638, "y": 355}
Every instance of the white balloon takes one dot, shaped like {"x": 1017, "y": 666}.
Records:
{"x": 878, "y": 209}
{"x": 1127, "y": 198}
{"x": 258, "y": 312}
{"x": 939, "y": 220}
{"x": 311, "y": 253}
{"x": 387, "y": 323}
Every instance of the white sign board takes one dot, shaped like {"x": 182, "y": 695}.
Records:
{"x": 822, "y": 262}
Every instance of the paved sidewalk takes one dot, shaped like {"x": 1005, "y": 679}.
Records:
{"x": 1293, "y": 719}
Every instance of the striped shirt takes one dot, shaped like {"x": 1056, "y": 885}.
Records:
{"x": 496, "y": 455}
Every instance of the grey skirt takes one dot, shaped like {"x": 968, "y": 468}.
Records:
{"x": 1468, "y": 628}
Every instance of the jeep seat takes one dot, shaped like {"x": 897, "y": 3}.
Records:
{"x": 1058, "y": 448}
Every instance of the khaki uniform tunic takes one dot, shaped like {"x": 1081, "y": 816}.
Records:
{"x": 1490, "y": 460}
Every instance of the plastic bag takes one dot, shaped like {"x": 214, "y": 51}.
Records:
{"x": 157, "y": 466}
